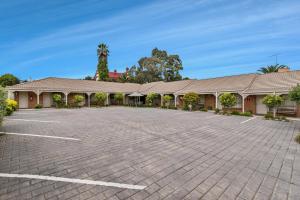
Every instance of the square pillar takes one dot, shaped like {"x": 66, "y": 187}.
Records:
{"x": 175, "y": 100}
{"x": 217, "y": 99}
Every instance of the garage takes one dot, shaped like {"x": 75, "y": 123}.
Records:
{"x": 47, "y": 100}
{"x": 23, "y": 99}
{"x": 261, "y": 108}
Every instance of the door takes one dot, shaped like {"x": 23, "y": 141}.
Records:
{"x": 46, "y": 100}
{"x": 23, "y": 99}
{"x": 260, "y": 107}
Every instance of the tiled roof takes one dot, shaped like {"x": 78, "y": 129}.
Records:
{"x": 246, "y": 83}
{"x": 274, "y": 82}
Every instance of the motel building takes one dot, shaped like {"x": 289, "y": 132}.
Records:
{"x": 249, "y": 89}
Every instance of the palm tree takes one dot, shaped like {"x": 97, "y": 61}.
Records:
{"x": 102, "y": 52}
{"x": 272, "y": 68}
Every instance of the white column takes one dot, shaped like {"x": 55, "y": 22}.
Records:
{"x": 38, "y": 97}
{"x": 217, "y": 99}
{"x": 89, "y": 99}
{"x": 107, "y": 98}
{"x": 243, "y": 103}
{"x": 66, "y": 96}
{"x": 161, "y": 99}
{"x": 175, "y": 100}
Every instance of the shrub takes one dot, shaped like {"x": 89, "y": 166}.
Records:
{"x": 57, "y": 99}
{"x": 235, "y": 112}
{"x": 217, "y": 111}
{"x": 38, "y": 106}
{"x": 297, "y": 138}
{"x": 227, "y": 100}
{"x": 8, "y": 111}
{"x": 100, "y": 98}
{"x": 12, "y": 103}
{"x": 268, "y": 116}
{"x": 3, "y": 96}
{"x": 78, "y": 99}
{"x": 119, "y": 98}
{"x": 190, "y": 101}
{"x": 150, "y": 98}
{"x": 272, "y": 102}
{"x": 209, "y": 108}
{"x": 167, "y": 100}
{"x": 203, "y": 109}
{"x": 294, "y": 94}
{"x": 246, "y": 114}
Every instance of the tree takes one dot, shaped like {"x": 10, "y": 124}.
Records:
{"x": 119, "y": 98}
{"x": 273, "y": 102}
{"x": 167, "y": 100}
{"x": 102, "y": 53}
{"x": 78, "y": 99}
{"x": 150, "y": 98}
{"x": 272, "y": 68}
{"x": 227, "y": 100}
{"x": 89, "y": 78}
{"x": 8, "y": 80}
{"x": 294, "y": 94}
{"x": 3, "y": 96}
{"x": 57, "y": 99}
{"x": 100, "y": 98}
{"x": 190, "y": 100}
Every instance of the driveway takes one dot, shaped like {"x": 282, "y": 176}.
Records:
{"x": 144, "y": 153}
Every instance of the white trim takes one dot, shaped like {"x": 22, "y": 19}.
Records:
{"x": 43, "y": 136}
{"x": 33, "y": 120}
{"x": 73, "y": 180}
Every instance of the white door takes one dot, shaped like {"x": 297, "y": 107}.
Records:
{"x": 46, "y": 100}
{"x": 23, "y": 99}
{"x": 260, "y": 107}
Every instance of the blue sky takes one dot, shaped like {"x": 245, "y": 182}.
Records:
{"x": 213, "y": 38}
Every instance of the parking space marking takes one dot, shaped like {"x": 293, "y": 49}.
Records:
{"x": 72, "y": 180}
{"x": 210, "y": 117}
{"x": 43, "y": 136}
{"x": 248, "y": 120}
{"x": 33, "y": 120}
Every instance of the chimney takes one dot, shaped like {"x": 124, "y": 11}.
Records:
{"x": 283, "y": 70}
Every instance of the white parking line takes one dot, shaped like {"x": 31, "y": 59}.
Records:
{"x": 43, "y": 136}
{"x": 71, "y": 180}
{"x": 248, "y": 120}
{"x": 213, "y": 116}
{"x": 33, "y": 120}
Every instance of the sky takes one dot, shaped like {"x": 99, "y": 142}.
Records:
{"x": 214, "y": 38}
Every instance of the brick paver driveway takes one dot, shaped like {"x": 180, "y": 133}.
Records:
{"x": 175, "y": 154}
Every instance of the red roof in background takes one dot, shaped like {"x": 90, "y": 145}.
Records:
{"x": 114, "y": 75}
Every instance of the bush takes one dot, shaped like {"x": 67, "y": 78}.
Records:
{"x": 203, "y": 109}
{"x": 78, "y": 99}
{"x": 150, "y": 98}
{"x": 8, "y": 111}
{"x": 246, "y": 114}
{"x": 38, "y": 106}
{"x": 100, "y": 98}
{"x": 57, "y": 99}
{"x": 217, "y": 111}
{"x": 297, "y": 138}
{"x": 235, "y": 112}
{"x": 294, "y": 94}
{"x": 119, "y": 98}
{"x": 3, "y": 96}
{"x": 12, "y": 103}
{"x": 268, "y": 116}
{"x": 167, "y": 100}
{"x": 227, "y": 100}
{"x": 190, "y": 101}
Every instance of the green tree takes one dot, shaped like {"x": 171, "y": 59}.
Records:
{"x": 3, "y": 96}
{"x": 167, "y": 100}
{"x": 150, "y": 98}
{"x": 89, "y": 78}
{"x": 78, "y": 99}
{"x": 102, "y": 53}
{"x": 57, "y": 99}
{"x": 227, "y": 100}
{"x": 119, "y": 98}
{"x": 190, "y": 100}
{"x": 100, "y": 98}
{"x": 294, "y": 94}
{"x": 271, "y": 68}
{"x": 273, "y": 102}
{"x": 8, "y": 80}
